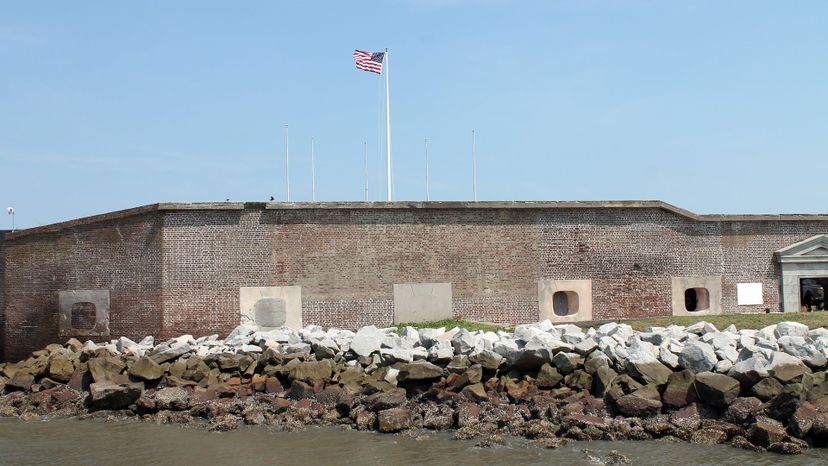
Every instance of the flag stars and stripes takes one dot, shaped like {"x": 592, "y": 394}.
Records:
{"x": 368, "y": 61}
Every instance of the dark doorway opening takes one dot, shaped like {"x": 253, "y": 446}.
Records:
{"x": 812, "y": 293}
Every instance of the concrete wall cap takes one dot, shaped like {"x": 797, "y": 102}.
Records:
{"x": 410, "y": 205}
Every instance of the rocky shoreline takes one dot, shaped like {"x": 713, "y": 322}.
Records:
{"x": 762, "y": 390}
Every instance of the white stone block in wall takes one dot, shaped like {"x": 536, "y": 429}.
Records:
{"x": 83, "y": 313}
{"x": 563, "y": 301}
{"x": 422, "y": 302}
{"x": 271, "y": 306}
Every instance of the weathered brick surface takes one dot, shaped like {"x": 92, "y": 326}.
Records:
{"x": 120, "y": 255}
{"x": 179, "y": 270}
{"x": 2, "y": 296}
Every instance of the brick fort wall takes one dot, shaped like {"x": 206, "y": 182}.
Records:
{"x": 177, "y": 268}
{"x": 121, "y": 255}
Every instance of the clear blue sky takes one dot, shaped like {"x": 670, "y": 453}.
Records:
{"x": 717, "y": 107}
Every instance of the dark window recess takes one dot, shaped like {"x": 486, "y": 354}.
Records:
{"x": 83, "y": 316}
{"x": 696, "y": 299}
{"x": 565, "y": 303}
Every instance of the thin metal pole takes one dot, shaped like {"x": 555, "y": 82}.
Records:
{"x": 388, "y": 122}
{"x": 428, "y": 195}
{"x": 474, "y": 166}
{"x": 365, "y": 156}
{"x": 287, "y": 162}
{"x": 313, "y": 175}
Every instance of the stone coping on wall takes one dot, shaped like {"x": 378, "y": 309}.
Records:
{"x": 397, "y": 205}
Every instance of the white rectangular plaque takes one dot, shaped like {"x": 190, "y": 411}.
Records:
{"x": 748, "y": 294}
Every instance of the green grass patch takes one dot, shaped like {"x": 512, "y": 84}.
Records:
{"x": 741, "y": 321}
{"x": 451, "y": 323}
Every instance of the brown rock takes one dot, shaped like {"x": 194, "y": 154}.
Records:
{"x": 439, "y": 417}
{"x": 145, "y": 369}
{"x": 224, "y": 423}
{"x": 620, "y": 386}
{"x": 385, "y": 400}
{"x": 227, "y": 362}
{"x": 602, "y": 378}
{"x": 312, "y": 372}
{"x": 819, "y": 429}
{"x": 716, "y": 389}
{"x": 366, "y": 420}
{"x": 474, "y": 374}
{"x": 583, "y": 421}
{"x": 108, "y": 395}
{"x": 394, "y": 419}
{"x": 418, "y": 370}
{"x": 172, "y": 398}
{"x": 708, "y": 437}
{"x": 548, "y": 377}
{"x": 106, "y": 369}
{"x": 803, "y": 419}
{"x": 743, "y": 410}
{"x": 468, "y": 414}
{"x": 80, "y": 380}
{"x": 175, "y": 381}
{"x": 783, "y": 406}
{"x": 680, "y": 390}
{"x": 766, "y": 389}
{"x": 22, "y": 380}
{"x": 765, "y": 431}
{"x": 272, "y": 385}
{"x": 517, "y": 391}
{"x": 641, "y": 403}
{"x": 743, "y": 443}
{"x": 61, "y": 368}
{"x": 785, "y": 448}
{"x": 475, "y": 392}
{"x": 579, "y": 380}
{"x": 257, "y": 383}
{"x": 73, "y": 344}
{"x": 329, "y": 396}
{"x": 300, "y": 390}
{"x": 651, "y": 372}
{"x": 456, "y": 381}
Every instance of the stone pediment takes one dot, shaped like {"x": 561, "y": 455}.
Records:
{"x": 813, "y": 249}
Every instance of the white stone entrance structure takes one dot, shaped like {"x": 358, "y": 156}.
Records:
{"x": 83, "y": 313}
{"x": 563, "y": 301}
{"x": 806, "y": 259}
{"x": 271, "y": 306}
{"x": 422, "y": 302}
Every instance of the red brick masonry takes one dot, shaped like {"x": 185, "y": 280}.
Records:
{"x": 177, "y": 268}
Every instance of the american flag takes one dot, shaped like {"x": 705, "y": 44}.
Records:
{"x": 369, "y": 61}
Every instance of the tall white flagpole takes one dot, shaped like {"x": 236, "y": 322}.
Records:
{"x": 428, "y": 196}
{"x": 287, "y": 162}
{"x": 388, "y": 123}
{"x": 474, "y": 166}
{"x": 365, "y": 156}
{"x": 313, "y": 175}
